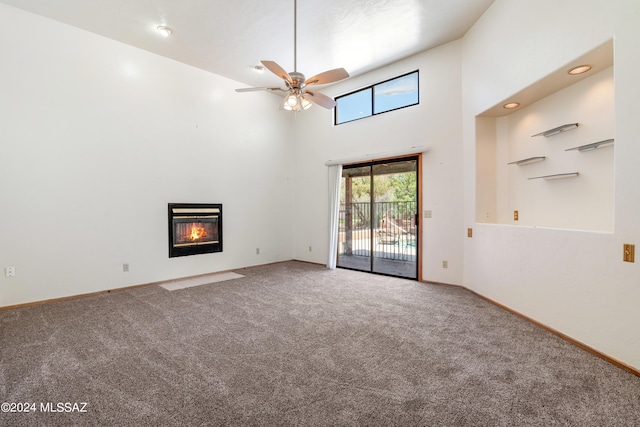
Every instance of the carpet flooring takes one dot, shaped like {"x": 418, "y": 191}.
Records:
{"x": 296, "y": 344}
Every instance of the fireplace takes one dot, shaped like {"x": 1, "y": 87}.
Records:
{"x": 194, "y": 228}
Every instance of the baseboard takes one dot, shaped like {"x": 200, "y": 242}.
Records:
{"x": 431, "y": 282}
{"x": 71, "y": 297}
{"x": 565, "y": 337}
{"x": 108, "y": 291}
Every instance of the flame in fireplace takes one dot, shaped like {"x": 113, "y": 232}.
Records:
{"x": 197, "y": 233}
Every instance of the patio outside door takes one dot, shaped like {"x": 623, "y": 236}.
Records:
{"x": 378, "y": 232}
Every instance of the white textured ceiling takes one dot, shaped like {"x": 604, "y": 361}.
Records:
{"x": 230, "y": 37}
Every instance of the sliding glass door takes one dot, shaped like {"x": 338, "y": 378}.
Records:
{"x": 378, "y": 229}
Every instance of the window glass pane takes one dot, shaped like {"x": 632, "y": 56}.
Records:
{"x": 354, "y": 106}
{"x": 396, "y": 93}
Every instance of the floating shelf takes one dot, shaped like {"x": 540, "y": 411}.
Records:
{"x": 527, "y": 161}
{"x": 593, "y": 146}
{"x": 557, "y": 176}
{"x": 557, "y": 130}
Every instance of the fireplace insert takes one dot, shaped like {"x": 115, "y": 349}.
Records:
{"x": 194, "y": 228}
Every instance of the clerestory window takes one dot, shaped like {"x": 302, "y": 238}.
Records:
{"x": 399, "y": 92}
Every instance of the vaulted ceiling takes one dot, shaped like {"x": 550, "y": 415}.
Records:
{"x": 229, "y": 38}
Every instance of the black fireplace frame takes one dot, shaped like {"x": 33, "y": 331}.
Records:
{"x": 196, "y": 249}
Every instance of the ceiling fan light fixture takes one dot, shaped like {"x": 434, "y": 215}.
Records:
{"x": 291, "y": 101}
{"x": 305, "y": 103}
{"x": 296, "y": 101}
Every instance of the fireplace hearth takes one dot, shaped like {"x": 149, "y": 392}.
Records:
{"x": 194, "y": 228}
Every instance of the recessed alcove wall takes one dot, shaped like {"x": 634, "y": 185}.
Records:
{"x": 582, "y": 202}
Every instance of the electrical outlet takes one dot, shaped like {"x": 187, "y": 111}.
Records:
{"x": 515, "y": 215}
{"x": 427, "y": 214}
{"x": 125, "y": 267}
{"x": 629, "y": 253}
{"x": 310, "y": 249}
{"x": 10, "y": 271}
{"x": 257, "y": 251}
{"x": 445, "y": 264}
{"x": 469, "y": 232}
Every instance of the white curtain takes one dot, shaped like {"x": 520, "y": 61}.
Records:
{"x": 335, "y": 175}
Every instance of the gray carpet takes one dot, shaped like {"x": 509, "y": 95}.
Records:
{"x": 296, "y": 344}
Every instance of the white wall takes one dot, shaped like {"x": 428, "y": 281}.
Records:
{"x": 435, "y": 123}
{"x": 572, "y": 281}
{"x": 97, "y": 137}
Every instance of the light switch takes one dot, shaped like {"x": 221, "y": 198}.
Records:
{"x": 629, "y": 253}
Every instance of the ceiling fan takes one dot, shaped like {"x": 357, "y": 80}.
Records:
{"x": 299, "y": 97}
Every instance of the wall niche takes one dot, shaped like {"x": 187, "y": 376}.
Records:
{"x": 551, "y": 159}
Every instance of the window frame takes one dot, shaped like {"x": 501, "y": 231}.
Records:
{"x": 373, "y": 106}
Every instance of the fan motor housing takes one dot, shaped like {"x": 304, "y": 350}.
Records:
{"x": 298, "y": 79}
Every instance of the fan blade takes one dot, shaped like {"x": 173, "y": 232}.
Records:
{"x": 328, "y": 77}
{"x": 277, "y": 70}
{"x": 320, "y": 99}
{"x": 253, "y": 89}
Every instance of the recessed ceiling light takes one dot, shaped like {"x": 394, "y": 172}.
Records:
{"x": 164, "y": 30}
{"x": 511, "y": 105}
{"x": 579, "y": 69}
